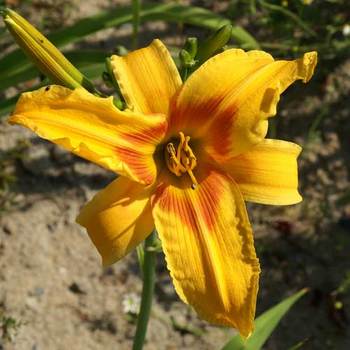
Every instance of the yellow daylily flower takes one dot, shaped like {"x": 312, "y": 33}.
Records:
{"x": 189, "y": 155}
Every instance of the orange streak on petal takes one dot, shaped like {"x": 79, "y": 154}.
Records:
{"x": 151, "y": 135}
{"x": 208, "y": 243}
{"x": 140, "y": 166}
{"x": 92, "y": 127}
{"x": 139, "y": 147}
{"x": 147, "y": 77}
{"x": 206, "y": 196}
{"x": 227, "y": 101}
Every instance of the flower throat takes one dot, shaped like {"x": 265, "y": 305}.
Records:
{"x": 181, "y": 160}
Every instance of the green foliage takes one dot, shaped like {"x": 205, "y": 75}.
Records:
{"x": 15, "y": 67}
{"x": 136, "y": 8}
{"x": 295, "y": 26}
{"x": 15, "y": 63}
{"x": 9, "y": 327}
{"x": 299, "y": 345}
{"x": 194, "y": 54}
{"x": 214, "y": 43}
{"x": 288, "y": 14}
{"x": 344, "y": 286}
{"x": 264, "y": 325}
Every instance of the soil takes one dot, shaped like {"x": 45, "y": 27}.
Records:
{"x": 51, "y": 280}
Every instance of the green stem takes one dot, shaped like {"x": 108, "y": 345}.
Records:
{"x": 147, "y": 291}
{"x": 136, "y": 9}
{"x": 290, "y": 15}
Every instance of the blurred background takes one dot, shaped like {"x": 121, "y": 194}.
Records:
{"x": 53, "y": 292}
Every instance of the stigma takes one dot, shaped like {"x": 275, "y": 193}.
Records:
{"x": 181, "y": 159}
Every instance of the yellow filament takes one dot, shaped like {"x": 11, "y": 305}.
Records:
{"x": 181, "y": 160}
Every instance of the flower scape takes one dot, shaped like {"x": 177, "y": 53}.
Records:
{"x": 188, "y": 155}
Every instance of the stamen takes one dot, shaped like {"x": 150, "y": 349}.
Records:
{"x": 194, "y": 180}
{"x": 182, "y": 160}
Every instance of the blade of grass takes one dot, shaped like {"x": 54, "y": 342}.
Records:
{"x": 264, "y": 325}
{"x": 299, "y": 345}
{"x": 15, "y": 62}
{"x": 244, "y": 39}
{"x": 78, "y": 58}
{"x": 290, "y": 15}
{"x": 136, "y": 8}
{"x": 15, "y": 68}
{"x": 92, "y": 70}
{"x": 6, "y": 106}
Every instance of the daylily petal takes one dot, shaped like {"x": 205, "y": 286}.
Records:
{"x": 148, "y": 78}
{"x": 229, "y": 98}
{"x": 268, "y": 173}
{"x": 93, "y": 128}
{"x": 208, "y": 243}
{"x": 118, "y": 218}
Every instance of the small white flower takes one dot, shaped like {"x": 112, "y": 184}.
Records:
{"x": 131, "y": 303}
{"x": 346, "y": 29}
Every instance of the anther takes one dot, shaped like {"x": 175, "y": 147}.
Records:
{"x": 193, "y": 179}
{"x": 181, "y": 160}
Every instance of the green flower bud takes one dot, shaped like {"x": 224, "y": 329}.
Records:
{"x": 191, "y": 46}
{"x": 214, "y": 43}
{"x": 110, "y": 77}
{"x": 48, "y": 59}
{"x": 186, "y": 59}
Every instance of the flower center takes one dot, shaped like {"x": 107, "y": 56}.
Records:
{"x": 181, "y": 160}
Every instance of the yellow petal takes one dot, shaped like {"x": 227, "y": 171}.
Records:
{"x": 93, "y": 128}
{"x": 118, "y": 218}
{"x": 268, "y": 173}
{"x": 208, "y": 244}
{"x": 228, "y": 99}
{"x": 148, "y": 78}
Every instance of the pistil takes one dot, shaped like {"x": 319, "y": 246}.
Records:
{"x": 181, "y": 160}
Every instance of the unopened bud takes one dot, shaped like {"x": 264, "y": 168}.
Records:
{"x": 121, "y": 50}
{"x": 186, "y": 59}
{"x": 191, "y": 46}
{"x": 110, "y": 76}
{"x": 214, "y": 43}
{"x": 48, "y": 59}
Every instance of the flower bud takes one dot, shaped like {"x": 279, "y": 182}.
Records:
{"x": 48, "y": 59}
{"x": 186, "y": 59}
{"x": 214, "y": 43}
{"x": 191, "y": 46}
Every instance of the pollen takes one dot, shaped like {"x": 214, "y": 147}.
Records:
{"x": 181, "y": 159}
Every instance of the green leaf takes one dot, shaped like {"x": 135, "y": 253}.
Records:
{"x": 90, "y": 63}
{"x": 16, "y": 68}
{"x": 244, "y": 39}
{"x": 292, "y": 16}
{"x": 80, "y": 59}
{"x": 299, "y": 345}
{"x": 6, "y": 106}
{"x": 15, "y": 63}
{"x": 214, "y": 43}
{"x": 264, "y": 325}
